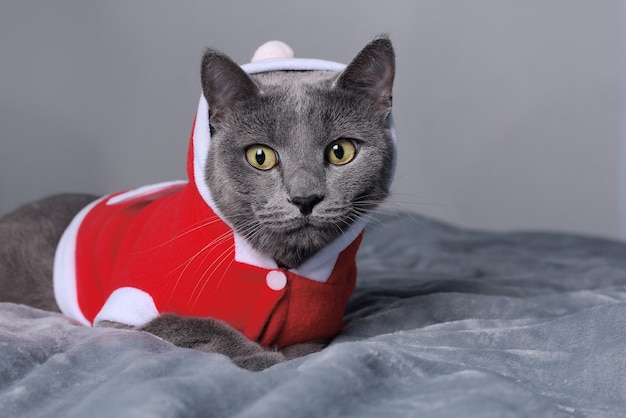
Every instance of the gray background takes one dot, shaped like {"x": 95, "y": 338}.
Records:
{"x": 508, "y": 113}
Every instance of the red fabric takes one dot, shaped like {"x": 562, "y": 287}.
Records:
{"x": 174, "y": 248}
{"x": 177, "y": 250}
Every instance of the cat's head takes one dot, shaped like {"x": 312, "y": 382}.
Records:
{"x": 296, "y": 157}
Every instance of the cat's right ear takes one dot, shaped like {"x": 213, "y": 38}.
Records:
{"x": 371, "y": 74}
{"x": 224, "y": 84}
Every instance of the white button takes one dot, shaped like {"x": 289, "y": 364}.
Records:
{"x": 276, "y": 280}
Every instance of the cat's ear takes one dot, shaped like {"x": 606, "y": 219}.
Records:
{"x": 371, "y": 74}
{"x": 224, "y": 84}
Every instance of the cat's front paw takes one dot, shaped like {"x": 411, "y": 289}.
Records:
{"x": 303, "y": 349}
{"x": 259, "y": 361}
{"x": 213, "y": 336}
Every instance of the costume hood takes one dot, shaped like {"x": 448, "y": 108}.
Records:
{"x": 271, "y": 56}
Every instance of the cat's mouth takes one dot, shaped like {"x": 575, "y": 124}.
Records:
{"x": 297, "y": 227}
{"x": 300, "y": 226}
{"x": 318, "y": 231}
{"x": 291, "y": 240}
{"x": 300, "y": 245}
{"x": 304, "y": 224}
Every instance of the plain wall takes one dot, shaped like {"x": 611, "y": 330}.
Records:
{"x": 508, "y": 113}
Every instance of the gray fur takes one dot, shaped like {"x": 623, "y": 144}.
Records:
{"x": 288, "y": 212}
{"x": 28, "y": 240}
{"x": 298, "y": 114}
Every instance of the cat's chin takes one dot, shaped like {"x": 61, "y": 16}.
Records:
{"x": 293, "y": 245}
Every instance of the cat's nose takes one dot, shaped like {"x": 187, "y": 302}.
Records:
{"x": 306, "y": 203}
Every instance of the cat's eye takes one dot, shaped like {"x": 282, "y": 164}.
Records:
{"x": 261, "y": 157}
{"x": 341, "y": 152}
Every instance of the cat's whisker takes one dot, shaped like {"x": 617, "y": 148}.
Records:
{"x": 216, "y": 241}
{"x": 339, "y": 228}
{"x": 417, "y": 199}
{"x": 370, "y": 205}
{"x": 253, "y": 232}
{"x": 402, "y": 212}
{"x": 193, "y": 228}
{"x": 369, "y": 216}
{"x": 206, "y": 250}
{"x": 248, "y": 227}
{"x": 211, "y": 269}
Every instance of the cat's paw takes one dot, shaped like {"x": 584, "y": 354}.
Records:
{"x": 259, "y": 361}
{"x": 303, "y": 349}
{"x": 213, "y": 336}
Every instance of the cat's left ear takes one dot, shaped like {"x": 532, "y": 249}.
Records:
{"x": 371, "y": 74}
{"x": 224, "y": 84}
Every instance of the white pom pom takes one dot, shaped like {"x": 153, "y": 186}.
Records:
{"x": 272, "y": 49}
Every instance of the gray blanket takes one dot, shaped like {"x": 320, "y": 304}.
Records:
{"x": 444, "y": 322}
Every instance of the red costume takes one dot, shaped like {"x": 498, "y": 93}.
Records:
{"x": 166, "y": 249}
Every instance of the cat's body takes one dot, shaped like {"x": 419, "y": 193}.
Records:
{"x": 291, "y": 160}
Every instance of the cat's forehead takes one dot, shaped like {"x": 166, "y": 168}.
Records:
{"x": 294, "y": 80}
{"x": 295, "y": 98}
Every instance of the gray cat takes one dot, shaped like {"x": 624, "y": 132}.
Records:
{"x": 253, "y": 257}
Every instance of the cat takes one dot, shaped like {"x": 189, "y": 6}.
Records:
{"x": 287, "y": 158}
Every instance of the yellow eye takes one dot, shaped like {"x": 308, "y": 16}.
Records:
{"x": 341, "y": 152}
{"x": 261, "y": 157}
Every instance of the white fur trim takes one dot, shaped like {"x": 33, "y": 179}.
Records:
{"x": 272, "y": 49}
{"x": 64, "y": 271}
{"x": 292, "y": 64}
{"x": 128, "y": 305}
{"x": 154, "y": 191}
{"x": 392, "y": 132}
{"x": 244, "y": 253}
{"x": 321, "y": 265}
{"x": 201, "y": 143}
{"x": 64, "y": 274}
{"x": 317, "y": 268}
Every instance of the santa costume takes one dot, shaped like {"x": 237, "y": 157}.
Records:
{"x": 165, "y": 248}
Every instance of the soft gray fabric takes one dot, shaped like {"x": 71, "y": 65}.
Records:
{"x": 444, "y": 322}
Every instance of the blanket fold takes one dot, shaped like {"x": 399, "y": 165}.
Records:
{"x": 443, "y": 322}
